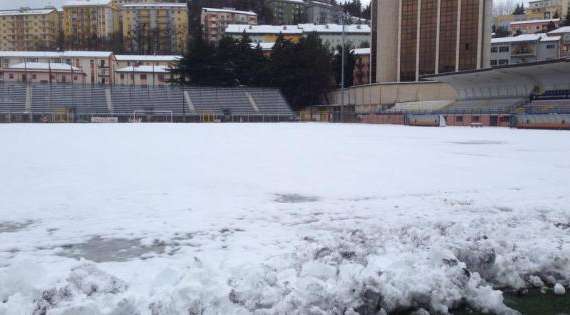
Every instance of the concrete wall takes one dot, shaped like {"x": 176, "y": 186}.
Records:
{"x": 370, "y": 98}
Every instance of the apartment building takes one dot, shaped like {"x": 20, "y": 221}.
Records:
{"x": 91, "y": 24}
{"x": 155, "y": 28}
{"x": 98, "y": 66}
{"x": 322, "y": 12}
{"x": 412, "y": 38}
{"x": 548, "y": 9}
{"x": 214, "y": 21}
{"x": 29, "y": 29}
{"x": 564, "y": 33}
{"x": 533, "y": 26}
{"x": 526, "y": 48}
{"x": 287, "y": 11}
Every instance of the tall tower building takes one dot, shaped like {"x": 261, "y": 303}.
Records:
{"x": 412, "y": 38}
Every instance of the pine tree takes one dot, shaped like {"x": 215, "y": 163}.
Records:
{"x": 566, "y": 21}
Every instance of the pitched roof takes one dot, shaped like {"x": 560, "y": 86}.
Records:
{"x": 43, "y": 66}
{"x": 80, "y": 3}
{"x": 145, "y": 69}
{"x": 26, "y": 12}
{"x": 57, "y": 54}
{"x": 535, "y": 21}
{"x": 229, "y": 11}
{"x": 171, "y": 58}
{"x": 525, "y": 38}
{"x": 561, "y": 30}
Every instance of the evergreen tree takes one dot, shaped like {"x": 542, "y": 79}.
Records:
{"x": 196, "y": 68}
{"x": 556, "y": 15}
{"x": 349, "y": 62}
{"x": 519, "y": 10}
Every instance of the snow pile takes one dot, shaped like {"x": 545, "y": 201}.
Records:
{"x": 325, "y": 219}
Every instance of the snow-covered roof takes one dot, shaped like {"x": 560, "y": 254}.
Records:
{"x": 514, "y": 39}
{"x": 26, "y": 12}
{"x": 550, "y": 38}
{"x": 535, "y": 21}
{"x": 145, "y": 69}
{"x": 525, "y": 38}
{"x": 335, "y": 28}
{"x": 297, "y": 29}
{"x": 94, "y": 54}
{"x": 561, "y": 30}
{"x": 30, "y": 66}
{"x": 31, "y": 54}
{"x": 324, "y": 4}
{"x": 361, "y": 51}
{"x": 229, "y": 11}
{"x": 80, "y": 3}
{"x": 263, "y": 45}
{"x": 56, "y": 54}
{"x": 167, "y": 58}
{"x": 263, "y": 29}
{"x": 155, "y": 5}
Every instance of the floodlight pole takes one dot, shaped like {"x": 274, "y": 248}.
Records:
{"x": 342, "y": 71}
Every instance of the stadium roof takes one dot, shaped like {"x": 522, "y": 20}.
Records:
{"x": 229, "y": 11}
{"x": 509, "y": 80}
{"x": 166, "y": 58}
{"x": 31, "y": 66}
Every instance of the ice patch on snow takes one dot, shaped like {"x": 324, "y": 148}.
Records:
{"x": 100, "y": 249}
{"x": 9, "y": 227}
{"x": 294, "y": 198}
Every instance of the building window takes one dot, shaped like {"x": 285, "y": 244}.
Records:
{"x": 143, "y": 76}
{"x": 503, "y": 61}
{"x": 493, "y": 49}
{"x": 122, "y": 76}
{"x": 11, "y": 76}
{"x": 34, "y": 76}
{"x": 550, "y": 46}
{"x": 459, "y": 119}
{"x": 504, "y": 49}
{"x": 493, "y": 62}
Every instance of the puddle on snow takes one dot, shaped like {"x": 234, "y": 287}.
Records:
{"x": 100, "y": 249}
{"x": 477, "y": 142}
{"x": 294, "y": 198}
{"x": 8, "y": 226}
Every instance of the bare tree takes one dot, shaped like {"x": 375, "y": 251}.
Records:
{"x": 505, "y": 7}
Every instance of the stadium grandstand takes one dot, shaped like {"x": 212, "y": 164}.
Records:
{"x": 21, "y": 102}
{"x": 532, "y": 95}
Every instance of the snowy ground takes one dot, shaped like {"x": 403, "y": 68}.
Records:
{"x": 278, "y": 218}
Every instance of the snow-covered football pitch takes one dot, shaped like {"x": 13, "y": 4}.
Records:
{"x": 279, "y": 218}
